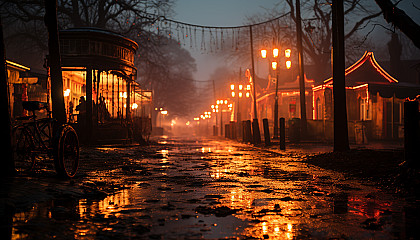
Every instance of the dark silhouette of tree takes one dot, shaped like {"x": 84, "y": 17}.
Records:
{"x": 401, "y": 20}
{"x": 170, "y": 76}
{"x": 317, "y": 30}
{"x": 26, "y": 35}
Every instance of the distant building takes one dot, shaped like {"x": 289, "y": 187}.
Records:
{"x": 374, "y": 102}
{"x": 18, "y": 79}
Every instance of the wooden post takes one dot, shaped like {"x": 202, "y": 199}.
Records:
{"x": 255, "y": 126}
{"x": 303, "y": 122}
{"x": 282, "y": 134}
{"x": 266, "y": 132}
{"x": 248, "y": 131}
{"x": 8, "y": 165}
{"x": 341, "y": 139}
{"x": 89, "y": 106}
{"x": 54, "y": 61}
{"x": 411, "y": 134}
{"x": 128, "y": 108}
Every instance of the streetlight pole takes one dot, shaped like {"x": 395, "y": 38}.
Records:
{"x": 255, "y": 126}
{"x": 303, "y": 121}
{"x": 276, "y": 108}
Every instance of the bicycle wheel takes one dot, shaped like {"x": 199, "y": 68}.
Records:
{"x": 66, "y": 151}
{"x": 23, "y": 146}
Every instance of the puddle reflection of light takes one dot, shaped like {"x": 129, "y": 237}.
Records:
{"x": 367, "y": 207}
{"x": 218, "y": 173}
{"x": 108, "y": 206}
{"x": 164, "y": 153}
{"x": 204, "y": 150}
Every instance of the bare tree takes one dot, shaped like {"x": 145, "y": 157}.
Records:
{"x": 401, "y": 20}
{"x": 170, "y": 76}
{"x": 26, "y": 35}
{"x": 317, "y": 29}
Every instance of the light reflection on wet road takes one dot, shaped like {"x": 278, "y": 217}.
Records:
{"x": 190, "y": 189}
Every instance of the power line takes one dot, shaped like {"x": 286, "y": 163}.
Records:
{"x": 219, "y": 27}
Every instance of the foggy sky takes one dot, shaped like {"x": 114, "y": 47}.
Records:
{"x": 235, "y": 12}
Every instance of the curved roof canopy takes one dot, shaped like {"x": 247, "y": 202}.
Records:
{"x": 367, "y": 73}
{"x": 99, "y": 49}
{"x": 365, "y": 70}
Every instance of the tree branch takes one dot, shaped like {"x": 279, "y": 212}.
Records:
{"x": 401, "y": 20}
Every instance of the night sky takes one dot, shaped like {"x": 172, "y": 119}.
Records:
{"x": 235, "y": 13}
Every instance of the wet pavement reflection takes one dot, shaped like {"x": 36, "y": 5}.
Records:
{"x": 195, "y": 188}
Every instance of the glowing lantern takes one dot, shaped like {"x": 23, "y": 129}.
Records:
{"x": 287, "y": 52}
{"x": 274, "y": 65}
{"x": 288, "y": 64}
{"x": 264, "y": 53}
{"x": 275, "y": 52}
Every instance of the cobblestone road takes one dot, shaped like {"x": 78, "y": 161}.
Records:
{"x": 199, "y": 188}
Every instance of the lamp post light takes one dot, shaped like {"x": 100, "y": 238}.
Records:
{"x": 275, "y": 67}
{"x": 222, "y": 103}
{"x": 242, "y": 91}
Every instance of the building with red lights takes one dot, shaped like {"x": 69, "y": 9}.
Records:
{"x": 374, "y": 103}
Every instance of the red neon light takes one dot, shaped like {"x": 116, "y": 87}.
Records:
{"x": 382, "y": 71}
{"x": 356, "y": 65}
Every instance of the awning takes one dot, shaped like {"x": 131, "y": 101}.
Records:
{"x": 16, "y": 77}
{"x": 399, "y": 90}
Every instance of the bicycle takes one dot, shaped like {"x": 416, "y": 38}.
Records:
{"x": 37, "y": 137}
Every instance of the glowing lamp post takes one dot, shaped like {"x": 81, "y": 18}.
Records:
{"x": 275, "y": 67}
{"x": 242, "y": 91}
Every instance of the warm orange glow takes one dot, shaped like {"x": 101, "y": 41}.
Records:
{"x": 367, "y": 55}
{"x": 274, "y": 65}
{"x": 67, "y": 92}
{"x": 287, "y": 53}
{"x": 233, "y": 94}
{"x": 241, "y": 87}
{"x": 248, "y": 87}
{"x": 164, "y": 112}
{"x": 240, "y": 94}
{"x": 134, "y": 106}
{"x": 232, "y": 87}
{"x": 247, "y": 94}
{"x": 288, "y": 64}
{"x": 17, "y": 65}
{"x": 264, "y": 53}
{"x": 225, "y": 101}
{"x": 212, "y": 106}
{"x": 275, "y": 52}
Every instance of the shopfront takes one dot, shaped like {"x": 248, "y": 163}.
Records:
{"x": 99, "y": 82}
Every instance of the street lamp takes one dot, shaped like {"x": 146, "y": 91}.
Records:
{"x": 222, "y": 102}
{"x": 275, "y": 67}
{"x": 239, "y": 93}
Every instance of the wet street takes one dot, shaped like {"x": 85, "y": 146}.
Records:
{"x": 186, "y": 188}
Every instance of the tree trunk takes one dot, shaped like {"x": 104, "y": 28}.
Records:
{"x": 8, "y": 167}
{"x": 54, "y": 61}
{"x": 341, "y": 139}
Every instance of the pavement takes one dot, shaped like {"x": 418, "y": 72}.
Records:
{"x": 194, "y": 188}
